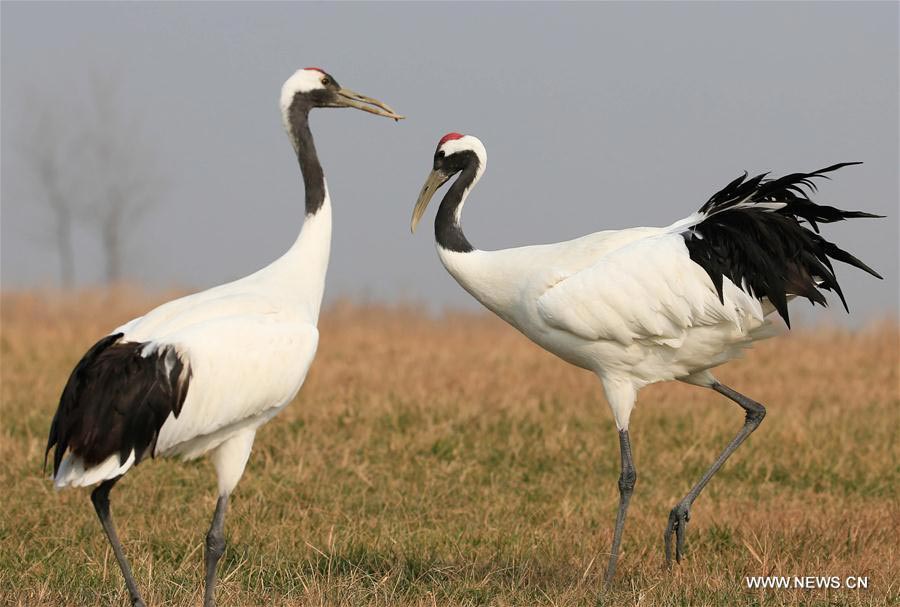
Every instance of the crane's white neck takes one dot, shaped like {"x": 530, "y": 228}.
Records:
{"x": 485, "y": 275}
{"x": 306, "y": 263}
{"x": 299, "y": 274}
{"x": 491, "y": 277}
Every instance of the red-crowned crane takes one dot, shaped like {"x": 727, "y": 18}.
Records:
{"x": 645, "y": 305}
{"x": 202, "y": 373}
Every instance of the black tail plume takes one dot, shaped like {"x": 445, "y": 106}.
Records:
{"x": 752, "y": 232}
{"x": 116, "y": 400}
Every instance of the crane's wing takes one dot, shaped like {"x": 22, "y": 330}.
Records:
{"x": 129, "y": 398}
{"x": 649, "y": 289}
{"x": 242, "y": 367}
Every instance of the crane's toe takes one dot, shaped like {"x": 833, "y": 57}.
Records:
{"x": 678, "y": 520}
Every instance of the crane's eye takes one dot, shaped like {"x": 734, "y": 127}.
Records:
{"x": 326, "y": 80}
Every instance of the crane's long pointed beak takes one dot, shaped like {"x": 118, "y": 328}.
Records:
{"x": 435, "y": 180}
{"x": 348, "y": 98}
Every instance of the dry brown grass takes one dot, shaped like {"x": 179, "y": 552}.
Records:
{"x": 451, "y": 462}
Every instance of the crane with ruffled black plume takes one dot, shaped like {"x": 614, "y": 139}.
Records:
{"x": 644, "y": 305}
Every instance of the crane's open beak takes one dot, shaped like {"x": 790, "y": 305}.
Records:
{"x": 348, "y": 98}
{"x": 435, "y": 180}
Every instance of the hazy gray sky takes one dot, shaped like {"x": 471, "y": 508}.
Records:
{"x": 595, "y": 116}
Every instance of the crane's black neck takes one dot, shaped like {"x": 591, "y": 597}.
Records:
{"x": 447, "y": 229}
{"x": 313, "y": 176}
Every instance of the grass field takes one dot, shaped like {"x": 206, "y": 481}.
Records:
{"x": 451, "y": 462}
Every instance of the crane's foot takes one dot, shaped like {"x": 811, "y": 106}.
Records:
{"x": 678, "y": 520}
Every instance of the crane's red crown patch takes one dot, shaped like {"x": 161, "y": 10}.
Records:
{"x": 449, "y": 137}
{"x": 317, "y": 69}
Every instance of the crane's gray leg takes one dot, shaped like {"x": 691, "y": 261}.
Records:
{"x": 100, "y": 498}
{"x": 626, "y": 487}
{"x": 680, "y": 514}
{"x": 215, "y": 548}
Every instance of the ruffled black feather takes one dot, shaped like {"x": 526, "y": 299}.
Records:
{"x": 768, "y": 251}
{"x": 116, "y": 401}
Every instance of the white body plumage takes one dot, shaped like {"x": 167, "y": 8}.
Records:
{"x": 628, "y": 305}
{"x": 249, "y": 344}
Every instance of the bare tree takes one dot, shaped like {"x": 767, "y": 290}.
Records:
{"x": 123, "y": 179}
{"x": 93, "y": 167}
{"x": 44, "y": 152}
